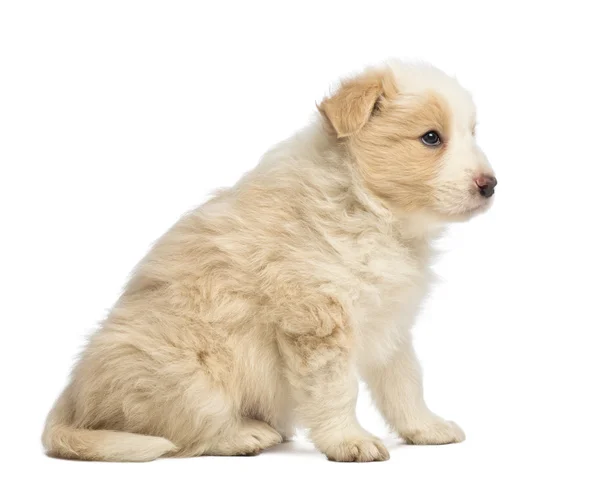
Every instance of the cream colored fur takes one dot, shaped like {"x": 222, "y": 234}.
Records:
{"x": 258, "y": 312}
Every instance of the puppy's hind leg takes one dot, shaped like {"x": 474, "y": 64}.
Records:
{"x": 247, "y": 437}
{"x": 243, "y": 437}
{"x": 216, "y": 425}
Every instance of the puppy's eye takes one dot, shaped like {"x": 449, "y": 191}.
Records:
{"x": 431, "y": 138}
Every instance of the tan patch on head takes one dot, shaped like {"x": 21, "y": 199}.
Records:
{"x": 351, "y": 106}
{"x": 382, "y": 129}
{"x": 390, "y": 155}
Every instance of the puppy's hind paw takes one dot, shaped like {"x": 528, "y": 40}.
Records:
{"x": 250, "y": 437}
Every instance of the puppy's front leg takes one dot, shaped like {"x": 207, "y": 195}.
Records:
{"x": 397, "y": 389}
{"x": 316, "y": 348}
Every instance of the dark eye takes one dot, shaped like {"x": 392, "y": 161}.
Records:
{"x": 431, "y": 138}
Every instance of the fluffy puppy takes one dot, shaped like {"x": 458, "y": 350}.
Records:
{"x": 258, "y": 311}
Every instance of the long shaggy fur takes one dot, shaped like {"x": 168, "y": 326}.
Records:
{"x": 258, "y": 311}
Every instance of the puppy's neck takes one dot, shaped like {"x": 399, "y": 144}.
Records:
{"x": 419, "y": 226}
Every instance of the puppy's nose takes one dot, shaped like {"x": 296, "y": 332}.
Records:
{"x": 486, "y": 185}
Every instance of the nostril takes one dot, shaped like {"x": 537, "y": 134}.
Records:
{"x": 493, "y": 182}
{"x": 487, "y": 191}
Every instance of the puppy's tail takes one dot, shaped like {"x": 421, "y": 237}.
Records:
{"x": 62, "y": 440}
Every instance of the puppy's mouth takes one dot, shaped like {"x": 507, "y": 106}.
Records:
{"x": 467, "y": 212}
{"x": 462, "y": 205}
{"x": 479, "y": 208}
{"x": 484, "y": 199}
{"x": 476, "y": 209}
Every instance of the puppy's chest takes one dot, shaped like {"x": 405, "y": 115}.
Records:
{"x": 389, "y": 281}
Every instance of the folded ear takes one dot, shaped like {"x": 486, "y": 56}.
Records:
{"x": 351, "y": 106}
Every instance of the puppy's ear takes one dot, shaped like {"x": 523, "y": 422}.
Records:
{"x": 351, "y": 106}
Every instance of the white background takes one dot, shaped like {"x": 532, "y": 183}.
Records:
{"x": 118, "y": 116}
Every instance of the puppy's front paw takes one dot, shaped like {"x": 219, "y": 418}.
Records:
{"x": 369, "y": 449}
{"x": 434, "y": 432}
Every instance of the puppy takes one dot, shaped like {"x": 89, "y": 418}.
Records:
{"x": 259, "y": 311}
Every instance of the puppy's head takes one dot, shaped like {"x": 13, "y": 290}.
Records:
{"x": 410, "y": 129}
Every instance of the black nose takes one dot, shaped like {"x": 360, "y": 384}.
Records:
{"x": 486, "y": 185}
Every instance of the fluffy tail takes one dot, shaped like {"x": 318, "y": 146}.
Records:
{"x": 60, "y": 439}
